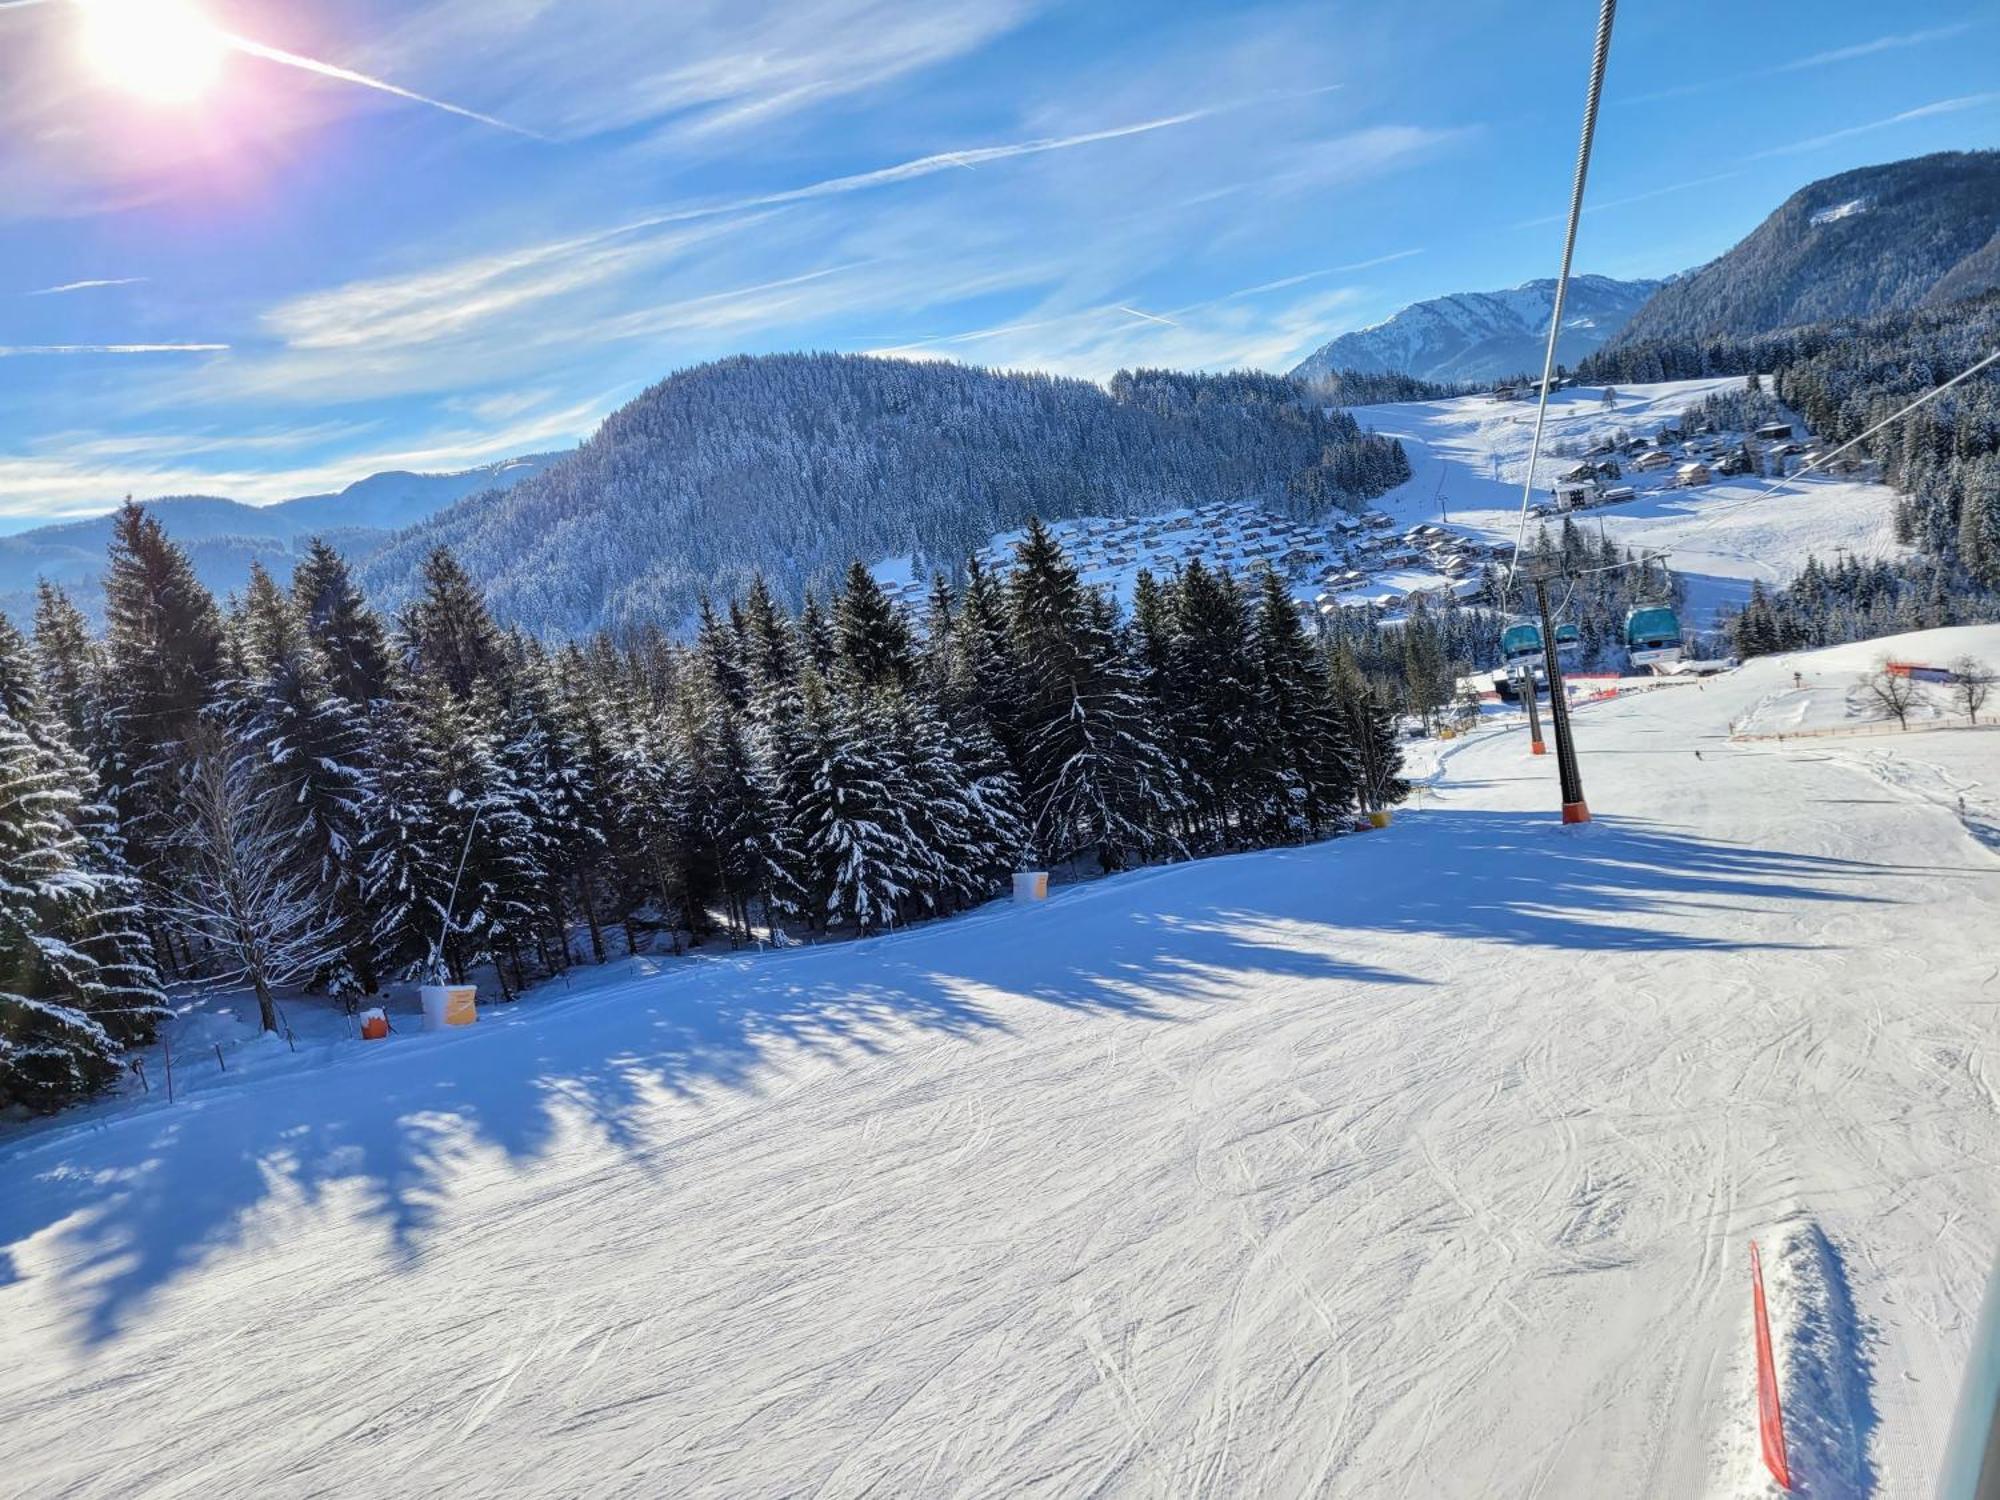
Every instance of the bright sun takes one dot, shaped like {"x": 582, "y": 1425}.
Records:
{"x": 162, "y": 50}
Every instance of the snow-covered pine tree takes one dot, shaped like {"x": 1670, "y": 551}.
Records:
{"x": 444, "y": 802}
{"x": 447, "y": 631}
{"x": 71, "y": 667}
{"x": 860, "y": 856}
{"x": 349, "y": 634}
{"x": 1301, "y": 736}
{"x": 163, "y": 661}
{"x": 586, "y": 748}
{"x": 755, "y": 844}
{"x": 650, "y": 801}
{"x": 239, "y": 890}
{"x": 1212, "y": 700}
{"x": 938, "y": 656}
{"x": 52, "y": 1049}
{"x": 718, "y": 647}
{"x": 75, "y": 986}
{"x": 314, "y": 750}
{"x": 1370, "y": 724}
{"x": 557, "y": 832}
{"x": 770, "y": 643}
{"x": 988, "y": 675}
{"x": 816, "y": 637}
{"x": 872, "y": 638}
{"x": 577, "y": 847}
{"x": 958, "y": 800}
{"x": 112, "y": 930}
{"x": 1097, "y": 776}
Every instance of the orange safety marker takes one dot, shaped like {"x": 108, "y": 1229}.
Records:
{"x": 1770, "y": 1414}
{"x": 1536, "y": 747}
{"x": 1576, "y": 812}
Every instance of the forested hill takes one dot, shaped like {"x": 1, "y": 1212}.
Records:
{"x": 792, "y": 465}
{"x": 1877, "y": 239}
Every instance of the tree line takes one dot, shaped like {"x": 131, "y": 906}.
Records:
{"x": 290, "y": 789}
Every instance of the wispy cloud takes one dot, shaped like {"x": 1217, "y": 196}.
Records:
{"x": 1921, "y": 112}
{"x": 418, "y": 309}
{"x": 15, "y": 351}
{"x": 1891, "y": 43}
{"x": 85, "y": 286}
{"x": 684, "y": 71}
{"x": 1894, "y": 42}
{"x": 1631, "y": 198}
{"x": 1283, "y": 282}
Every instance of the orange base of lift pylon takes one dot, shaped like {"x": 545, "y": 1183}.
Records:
{"x": 1536, "y": 747}
{"x": 1576, "y": 812}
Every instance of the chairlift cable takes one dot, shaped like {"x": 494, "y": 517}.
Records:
{"x": 1600, "y": 55}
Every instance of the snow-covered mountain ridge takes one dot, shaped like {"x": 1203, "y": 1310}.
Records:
{"x": 1471, "y": 336}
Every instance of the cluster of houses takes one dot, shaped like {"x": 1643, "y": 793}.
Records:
{"x": 1226, "y": 535}
{"x": 1444, "y": 564}
{"x": 1328, "y": 563}
{"x": 1677, "y": 460}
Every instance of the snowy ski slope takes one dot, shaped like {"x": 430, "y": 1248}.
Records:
{"x": 1418, "y": 1162}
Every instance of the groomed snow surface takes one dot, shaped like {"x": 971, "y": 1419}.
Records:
{"x": 1420, "y": 1162}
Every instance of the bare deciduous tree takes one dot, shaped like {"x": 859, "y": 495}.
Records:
{"x": 1893, "y": 694}
{"x": 240, "y": 894}
{"x": 1971, "y": 683}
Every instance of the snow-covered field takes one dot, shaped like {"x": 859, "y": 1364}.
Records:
{"x": 1470, "y": 455}
{"x": 1419, "y": 1162}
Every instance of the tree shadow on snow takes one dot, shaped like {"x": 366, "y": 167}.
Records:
{"x": 145, "y": 1196}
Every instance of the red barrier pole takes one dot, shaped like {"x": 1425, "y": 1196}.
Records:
{"x": 1770, "y": 1415}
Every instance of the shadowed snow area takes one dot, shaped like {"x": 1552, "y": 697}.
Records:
{"x": 1421, "y": 1161}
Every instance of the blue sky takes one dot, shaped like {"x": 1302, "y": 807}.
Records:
{"x": 369, "y": 280}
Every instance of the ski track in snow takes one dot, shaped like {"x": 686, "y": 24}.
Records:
{"x": 1418, "y": 1162}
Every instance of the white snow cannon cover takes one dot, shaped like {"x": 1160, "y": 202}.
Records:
{"x": 1031, "y": 885}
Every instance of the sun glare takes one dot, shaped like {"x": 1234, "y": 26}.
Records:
{"x": 162, "y": 50}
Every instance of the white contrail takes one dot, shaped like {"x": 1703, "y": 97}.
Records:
{"x": 9, "y": 351}
{"x": 1149, "y": 317}
{"x": 85, "y": 286}
{"x": 251, "y": 48}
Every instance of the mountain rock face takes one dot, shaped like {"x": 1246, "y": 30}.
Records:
{"x": 790, "y": 466}
{"x": 223, "y": 537}
{"x": 1877, "y": 239}
{"x": 1477, "y": 336}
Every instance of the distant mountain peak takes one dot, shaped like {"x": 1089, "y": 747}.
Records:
{"x": 1471, "y": 336}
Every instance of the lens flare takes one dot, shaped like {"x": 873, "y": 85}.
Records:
{"x": 164, "y": 51}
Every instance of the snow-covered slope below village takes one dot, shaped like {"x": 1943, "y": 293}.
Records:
{"x": 1469, "y": 458}
{"x": 1419, "y": 1162}
{"x": 1473, "y": 336}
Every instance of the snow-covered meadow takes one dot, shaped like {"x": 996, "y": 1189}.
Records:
{"x": 1421, "y": 1161}
{"x": 1469, "y": 457}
